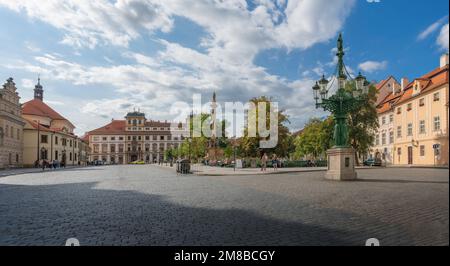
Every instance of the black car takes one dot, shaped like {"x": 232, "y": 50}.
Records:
{"x": 372, "y": 162}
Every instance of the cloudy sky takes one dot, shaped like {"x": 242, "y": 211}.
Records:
{"x": 100, "y": 59}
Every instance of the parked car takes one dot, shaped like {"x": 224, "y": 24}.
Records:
{"x": 372, "y": 162}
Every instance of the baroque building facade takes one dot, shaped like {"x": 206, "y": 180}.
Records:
{"x": 135, "y": 139}
{"x": 417, "y": 120}
{"x": 11, "y": 126}
{"x": 47, "y": 135}
{"x": 389, "y": 91}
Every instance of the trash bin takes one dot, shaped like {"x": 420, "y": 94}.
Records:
{"x": 183, "y": 166}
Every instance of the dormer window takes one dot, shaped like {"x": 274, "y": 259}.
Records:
{"x": 416, "y": 88}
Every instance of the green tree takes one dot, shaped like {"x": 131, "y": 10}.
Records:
{"x": 315, "y": 138}
{"x": 363, "y": 123}
{"x": 249, "y": 146}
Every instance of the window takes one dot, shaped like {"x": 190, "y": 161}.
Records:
{"x": 437, "y": 150}
{"x": 120, "y": 138}
{"x": 399, "y": 151}
{"x": 399, "y": 132}
{"x": 161, "y": 137}
{"x": 422, "y": 102}
{"x": 56, "y": 140}
{"x": 70, "y": 156}
{"x": 113, "y": 148}
{"x": 409, "y": 107}
{"x": 399, "y": 110}
{"x": 64, "y": 142}
{"x": 70, "y": 143}
{"x": 391, "y": 118}
{"x": 422, "y": 150}
{"x": 436, "y": 97}
{"x": 44, "y": 154}
{"x": 6, "y": 130}
{"x": 377, "y": 140}
{"x": 18, "y": 134}
{"x": 383, "y": 138}
{"x": 12, "y": 132}
{"x": 147, "y": 137}
{"x": 129, "y": 137}
{"x": 437, "y": 123}
{"x": 120, "y": 147}
{"x": 104, "y": 138}
{"x": 410, "y": 129}
{"x": 391, "y": 137}
{"x": 96, "y": 148}
{"x": 155, "y": 137}
{"x": 422, "y": 127}
{"x": 56, "y": 155}
{"x": 44, "y": 139}
{"x": 383, "y": 120}
{"x": 96, "y": 138}
{"x": 113, "y": 138}
{"x": 104, "y": 148}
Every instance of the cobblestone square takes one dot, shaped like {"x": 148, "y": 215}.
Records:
{"x": 148, "y": 205}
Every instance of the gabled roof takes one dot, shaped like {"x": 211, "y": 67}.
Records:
{"x": 44, "y": 128}
{"x": 115, "y": 127}
{"x": 39, "y": 108}
{"x": 427, "y": 82}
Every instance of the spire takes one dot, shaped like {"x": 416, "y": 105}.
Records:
{"x": 38, "y": 90}
{"x": 340, "y": 54}
{"x": 214, "y": 97}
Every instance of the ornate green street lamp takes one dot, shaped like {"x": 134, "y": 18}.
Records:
{"x": 343, "y": 102}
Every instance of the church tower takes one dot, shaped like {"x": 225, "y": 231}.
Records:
{"x": 39, "y": 91}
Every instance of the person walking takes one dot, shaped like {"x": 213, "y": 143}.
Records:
{"x": 274, "y": 162}
{"x": 264, "y": 160}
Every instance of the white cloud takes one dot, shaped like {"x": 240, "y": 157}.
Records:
{"x": 28, "y": 83}
{"x": 90, "y": 23}
{"x": 432, "y": 28}
{"x": 442, "y": 40}
{"x": 373, "y": 66}
{"x": 234, "y": 36}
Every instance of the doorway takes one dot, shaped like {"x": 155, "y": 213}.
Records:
{"x": 410, "y": 155}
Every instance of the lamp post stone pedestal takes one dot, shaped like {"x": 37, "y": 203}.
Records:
{"x": 341, "y": 164}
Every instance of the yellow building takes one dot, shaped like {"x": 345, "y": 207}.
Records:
{"x": 47, "y": 135}
{"x": 421, "y": 120}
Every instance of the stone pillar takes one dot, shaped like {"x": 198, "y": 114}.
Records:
{"x": 341, "y": 164}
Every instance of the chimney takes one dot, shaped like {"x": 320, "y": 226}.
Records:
{"x": 405, "y": 83}
{"x": 444, "y": 60}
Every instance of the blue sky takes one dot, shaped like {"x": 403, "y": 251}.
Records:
{"x": 99, "y": 59}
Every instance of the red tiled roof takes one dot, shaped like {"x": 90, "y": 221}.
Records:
{"x": 428, "y": 82}
{"x": 38, "y": 107}
{"x": 119, "y": 127}
{"x": 116, "y": 126}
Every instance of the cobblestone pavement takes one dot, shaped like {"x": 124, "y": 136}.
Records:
{"x": 147, "y": 205}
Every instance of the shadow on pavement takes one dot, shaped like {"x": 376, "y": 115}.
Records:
{"x": 50, "y": 214}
